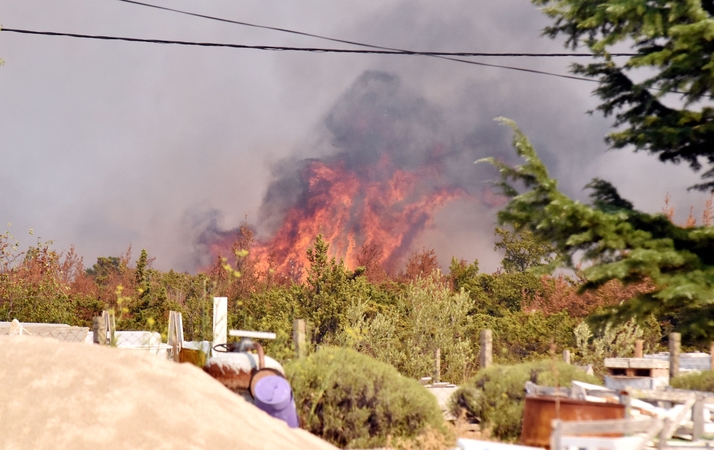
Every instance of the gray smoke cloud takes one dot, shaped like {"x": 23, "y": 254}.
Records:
{"x": 108, "y": 143}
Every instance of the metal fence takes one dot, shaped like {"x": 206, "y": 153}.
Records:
{"x": 60, "y": 332}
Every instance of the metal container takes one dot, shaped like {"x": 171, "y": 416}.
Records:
{"x": 237, "y": 369}
{"x": 539, "y": 413}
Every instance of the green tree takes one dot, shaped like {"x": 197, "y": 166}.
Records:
{"x": 330, "y": 289}
{"x": 104, "y": 268}
{"x": 616, "y": 244}
{"x": 522, "y": 250}
{"x": 673, "y": 41}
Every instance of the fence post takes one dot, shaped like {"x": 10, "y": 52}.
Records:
{"x": 437, "y": 365}
{"x": 220, "y": 320}
{"x": 299, "y": 338}
{"x": 675, "y": 341}
{"x": 175, "y": 338}
{"x": 111, "y": 326}
{"x": 486, "y": 358}
{"x": 639, "y": 343}
{"x": 566, "y": 356}
{"x": 711, "y": 356}
{"x": 99, "y": 330}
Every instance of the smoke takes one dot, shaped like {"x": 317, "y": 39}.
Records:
{"x": 169, "y": 148}
{"x": 388, "y": 161}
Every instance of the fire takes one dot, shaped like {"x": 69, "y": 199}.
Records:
{"x": 393, "y": 162}
{"x": 382, "y": 206}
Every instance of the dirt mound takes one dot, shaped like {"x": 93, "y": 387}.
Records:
{"x": 67, "y": 395}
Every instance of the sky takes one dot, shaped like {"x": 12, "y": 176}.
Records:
{"x": 106, "y": 144}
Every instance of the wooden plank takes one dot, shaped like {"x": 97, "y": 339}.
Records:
{"x": 608, "y": 426}
{"x": 698, "y": 418}
{"x": 621, "y": 443}
{"x": 220, "y": 320}
{"x": 657, "y": 425}
{"x": 665, "y": 396}
{"x": 672, "y": 425}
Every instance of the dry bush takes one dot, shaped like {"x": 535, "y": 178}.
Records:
{"x": 560, "y": 293}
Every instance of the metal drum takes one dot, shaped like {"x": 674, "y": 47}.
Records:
{"x": 233, "y": 366}
{"x": 539, "y": 413}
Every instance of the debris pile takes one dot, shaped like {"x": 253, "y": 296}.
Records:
{"x": 69, "y": 395}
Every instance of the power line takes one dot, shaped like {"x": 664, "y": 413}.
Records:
{"x": 360, "y": 44}
{"x": 442, "y": 55}
{"x": 299, "y": 49}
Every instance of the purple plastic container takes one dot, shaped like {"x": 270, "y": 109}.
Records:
{"x": 274, "y": 396}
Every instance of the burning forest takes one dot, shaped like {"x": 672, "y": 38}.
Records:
{"x": 388, "y": 165}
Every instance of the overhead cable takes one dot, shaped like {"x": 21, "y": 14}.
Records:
{"x": 303, "y": 49}
{"x": 361, "y": 44}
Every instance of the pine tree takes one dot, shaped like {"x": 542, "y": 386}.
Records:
{"x": 616, "y": 243}
{"x": 673, "y": 41}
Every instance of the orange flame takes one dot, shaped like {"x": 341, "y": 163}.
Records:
{"x": 382, "y": 206}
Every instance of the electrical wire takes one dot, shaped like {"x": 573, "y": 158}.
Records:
{"x": 360, "y": 44}
{"x": 441, "y": 55}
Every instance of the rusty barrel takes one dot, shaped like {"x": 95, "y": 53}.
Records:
{"x": 539, "y": 413}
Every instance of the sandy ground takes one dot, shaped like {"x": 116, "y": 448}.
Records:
{"x": 58, "y": 395}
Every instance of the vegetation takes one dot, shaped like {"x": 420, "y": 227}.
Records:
{"x": 618, "y": 243}
{"x": 496, "y": 395}
{"x": 673, "y": 43}
{"x": 699, "y": 381}
{"x": 353, "y": 401}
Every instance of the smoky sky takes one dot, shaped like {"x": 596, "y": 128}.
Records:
{"x": 106, "y": 144}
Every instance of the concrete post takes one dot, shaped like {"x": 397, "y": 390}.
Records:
{"x": 486, "y": 349}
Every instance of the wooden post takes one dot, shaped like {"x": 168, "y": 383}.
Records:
{"x": 626, "y": 400}
{"x": 566, "y": 356}
{"x": 437, "y": 365}
{"x": 99, "y": 330}
{"x": 698, "y": 418}
{"x": 675, "y": 343}
{"x": 556, "y": 434}
{"x": 299, "y": 338}
{"x": 175, "y": 338}
{"x": 111, "y": 327}
{"x": 220, "y": 320}
{"x": 639, "y": 343}
{"x": 486, "y": 348}
{"x": 711, "y": 356}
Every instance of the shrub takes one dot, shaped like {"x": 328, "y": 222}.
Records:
{"x": 425, "y": 316}
{"x": 352, "y": 400}
{"x": 523, "y": 336}
{"x": 698, "y": 381}
{"x": 496, "y": 395}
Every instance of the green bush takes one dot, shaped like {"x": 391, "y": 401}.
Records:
{"x": 352, "y": 400}
{"x": 496, "y": 395}
{"x": 698, "y": 381}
